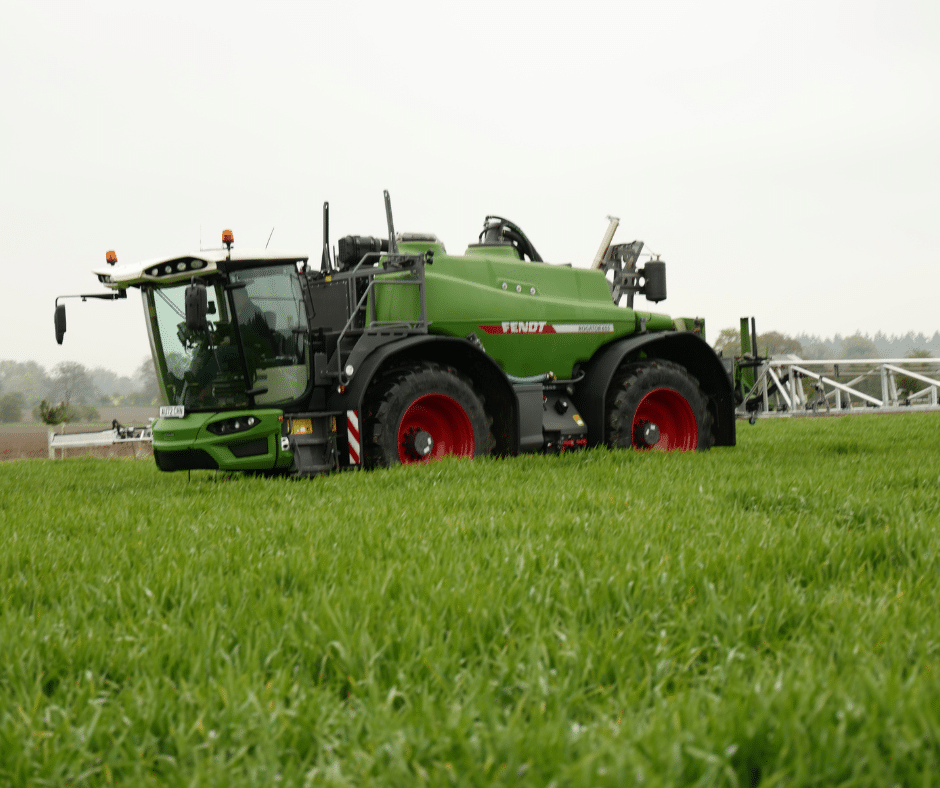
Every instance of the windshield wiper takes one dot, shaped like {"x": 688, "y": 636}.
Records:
{"x": 174, "y": 307}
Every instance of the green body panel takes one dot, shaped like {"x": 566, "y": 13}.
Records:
{"x": 745, "y": 375}
{"x": 532, "y": 318}
{"x": 695, "y": 324}
{"x": 190, "y": 432}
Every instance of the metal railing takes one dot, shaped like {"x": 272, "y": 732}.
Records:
{"x": 135, "y": 436}
{"x": 790, "y": 386}
{"x": 371, "y": 331}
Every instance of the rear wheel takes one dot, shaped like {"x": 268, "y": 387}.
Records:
{"x": 424, "y": 413}
{"x": 657, "y": 405}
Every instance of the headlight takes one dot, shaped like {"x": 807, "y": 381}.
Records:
{"x": 233, "y": 425}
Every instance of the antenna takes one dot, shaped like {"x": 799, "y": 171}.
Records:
{"x": 392, "y": 240}
{"x": 269, "y": 238}
{"x": 325, "y": 259}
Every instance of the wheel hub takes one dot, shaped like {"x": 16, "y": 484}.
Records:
{"x": 646, "y": 434}
{"x": 664, "y": 421}
{"x": 433, "y": 426}
{"x": 419, "y": 443}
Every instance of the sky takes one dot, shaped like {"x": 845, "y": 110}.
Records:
{"x": 781, "y": 157}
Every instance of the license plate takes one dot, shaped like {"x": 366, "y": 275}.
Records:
{"x": 172, "y": 411}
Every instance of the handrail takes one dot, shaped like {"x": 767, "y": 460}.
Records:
{"x": 393, "y": 263}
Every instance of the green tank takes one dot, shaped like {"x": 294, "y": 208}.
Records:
{"x": 530, "y": 317}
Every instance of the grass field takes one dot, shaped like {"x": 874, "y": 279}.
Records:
{"x": 762, "y": 615}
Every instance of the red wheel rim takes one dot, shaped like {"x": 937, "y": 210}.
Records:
{"x": 444, "y": 420}
{"x": 672, "y": 414}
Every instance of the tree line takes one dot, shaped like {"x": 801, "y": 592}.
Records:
{"x": 26, "y": 386}
{"x": 809, "y": 346}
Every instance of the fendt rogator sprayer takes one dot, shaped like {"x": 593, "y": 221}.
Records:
{"x": 396, "y": 352}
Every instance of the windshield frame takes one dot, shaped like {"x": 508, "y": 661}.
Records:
{"x": 263, "y": 360}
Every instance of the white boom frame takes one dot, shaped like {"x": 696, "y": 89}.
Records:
{"x": 60, "y": 441}
{"x": 779, "y": 386}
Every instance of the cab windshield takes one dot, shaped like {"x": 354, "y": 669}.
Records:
{"x": 254, "y": 342}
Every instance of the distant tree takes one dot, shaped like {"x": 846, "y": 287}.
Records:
{"x": 71, "y": 383}
{"x": 773, "y": 343}
{"x": 728, "y": 342}
{"x": 858, "y": 346}
{"x": 887, "y": 347}
{"x": 27, "y": 377}
{"x": 11, "y": 407}
{"x": 110, "y": 384}
{"x": 817, "y": 351}
{"x": 769, "y": 343}
{"x": 148, "y": 388}
{"x": 88, "y": 413}
{"x": 55, "y": 414}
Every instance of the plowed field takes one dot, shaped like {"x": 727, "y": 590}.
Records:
{"x": 30, "y": 440}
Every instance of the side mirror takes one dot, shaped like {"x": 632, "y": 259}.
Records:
{"x": 196, "y": 307}
{"x": 59, "y": 322}
{"x": 654, "y": 286}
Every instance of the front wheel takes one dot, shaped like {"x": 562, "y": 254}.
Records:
{"x": 658, "y": 405}
{"x": 424, "y": 413}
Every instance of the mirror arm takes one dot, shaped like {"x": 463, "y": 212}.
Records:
{"x": 103, "y": 296}
{"x": 60, "y": 308}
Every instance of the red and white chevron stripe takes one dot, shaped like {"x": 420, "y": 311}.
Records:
{"x": 352, "y": 434}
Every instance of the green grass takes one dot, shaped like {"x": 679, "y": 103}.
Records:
{"x": 762, "y": 615}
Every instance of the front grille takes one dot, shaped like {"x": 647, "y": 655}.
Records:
{"x": 252, "y": 449}
{"x": 185, "y": 460}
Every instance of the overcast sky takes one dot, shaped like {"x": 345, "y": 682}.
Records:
{"x": 782, "y": 157}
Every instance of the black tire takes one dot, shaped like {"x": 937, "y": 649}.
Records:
{"x": 423, "y": 413}
{"x": 662, "y": 394}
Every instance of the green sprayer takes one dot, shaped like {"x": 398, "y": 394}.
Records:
{"x": 394, "y": 351}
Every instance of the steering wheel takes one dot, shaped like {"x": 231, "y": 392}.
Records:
{"x": 190, "y": 338}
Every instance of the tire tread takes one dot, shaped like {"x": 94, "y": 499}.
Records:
{"x": 633, "y": 381}
{"x": 380, "y": 447}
